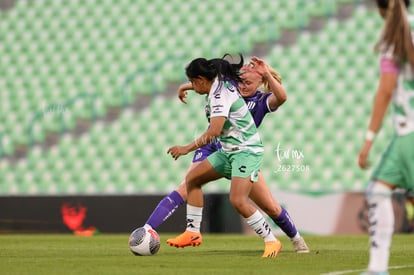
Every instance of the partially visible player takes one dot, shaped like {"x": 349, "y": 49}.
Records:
{"x": 396, "y": 168}
{"x": 239, "y": 159}
{"x": 253, "y": 75}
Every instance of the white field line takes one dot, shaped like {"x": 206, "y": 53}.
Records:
{"x": 362, "y": 270}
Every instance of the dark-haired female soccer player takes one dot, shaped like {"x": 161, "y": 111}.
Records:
{"x": 239, "y": 158}
{"x": 254, "y": 75}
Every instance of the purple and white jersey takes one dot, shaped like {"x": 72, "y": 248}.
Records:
{"x": 258, "y": 107}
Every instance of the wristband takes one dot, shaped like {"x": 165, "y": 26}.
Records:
{"x": 370, "y": 135}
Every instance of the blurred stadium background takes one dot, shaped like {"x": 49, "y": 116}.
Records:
{"x": 88, "y": 91}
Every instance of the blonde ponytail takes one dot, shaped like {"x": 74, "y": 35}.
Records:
{"x": 275, "y": 75}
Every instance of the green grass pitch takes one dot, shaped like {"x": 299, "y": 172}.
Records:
{"x": 219, "y": 254}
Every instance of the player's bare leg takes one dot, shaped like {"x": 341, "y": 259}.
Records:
{"x": 195, "y": 179}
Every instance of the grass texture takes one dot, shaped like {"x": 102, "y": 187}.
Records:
{"x": 219, "y": 254}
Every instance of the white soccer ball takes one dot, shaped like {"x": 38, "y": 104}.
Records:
{"x": 143, "y": 242}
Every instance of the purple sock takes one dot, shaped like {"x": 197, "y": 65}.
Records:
{"x": 286, "y": 224}
{"x": 165, "y": 208}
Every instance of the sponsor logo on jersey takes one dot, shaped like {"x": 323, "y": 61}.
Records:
{"x": 250, "y": 105}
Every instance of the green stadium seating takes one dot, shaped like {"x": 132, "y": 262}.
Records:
{"x": 322, "y": 8}
{"x": 60, "y": 57}
{"x": 55, "y": 52}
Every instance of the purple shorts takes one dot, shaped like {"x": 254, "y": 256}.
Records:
{"x": 203, "y": 152}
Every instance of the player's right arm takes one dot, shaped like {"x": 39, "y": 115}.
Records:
{"x": 388, "y": 81}
{"x": 182, "y": 91}
{"x": 210, "y": 135}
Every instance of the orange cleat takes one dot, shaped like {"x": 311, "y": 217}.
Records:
{"x": 187, "y": 238}
{"x": 272, "y": 249}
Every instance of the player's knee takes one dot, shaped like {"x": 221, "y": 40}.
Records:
{"x": 238, "y": 203}
{"x": 378, "y": 197}
{"x": 234, "y": 201}
{"x": 191, "y": 182}
{"x": 376, "y": 191}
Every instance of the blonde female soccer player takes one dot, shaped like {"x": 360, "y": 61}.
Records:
{"x": 396, "y": 168}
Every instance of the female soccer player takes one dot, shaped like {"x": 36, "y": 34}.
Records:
{"x": 254, "y": 75}
{"x": 239, "y": 159}
{"x": 396, "y": 168}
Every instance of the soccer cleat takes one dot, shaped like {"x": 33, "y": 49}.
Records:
{"x": 187, "y": 238}
{"x": 272, "y": 249}
{"x": 374, "y": 273}
{"x": 300, "y": 246}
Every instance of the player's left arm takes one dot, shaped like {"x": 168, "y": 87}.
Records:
{"x": 210, "y": 135}
{"x": 279, "y": 95}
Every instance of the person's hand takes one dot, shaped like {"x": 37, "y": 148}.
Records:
{"x": 182, "y": 91}
{"x": 259, "y": 65}
{"x": 177, "y": 151}
{"x": 363, "y": 155}
{"x": 182, "y": 95}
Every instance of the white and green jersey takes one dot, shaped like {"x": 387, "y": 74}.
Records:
{"x": 403, "y": 95}
{"x": 239, "y": 131}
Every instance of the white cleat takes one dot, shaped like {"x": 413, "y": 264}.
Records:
{"x": 300, "y": 246}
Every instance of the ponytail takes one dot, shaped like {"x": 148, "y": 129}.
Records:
{"x": 226, "y": 70}
{"x": 275, "y": 75}
{"x": 216, "y": 67}
{"x": 396, "y": 34}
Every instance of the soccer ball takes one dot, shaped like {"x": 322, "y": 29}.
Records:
{"x": 143, "y": 242}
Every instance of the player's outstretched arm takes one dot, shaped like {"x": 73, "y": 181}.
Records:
{"x": 211, "y": 135}
{"x": 279, "y": 95}
{"x": 182, "y": 91}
